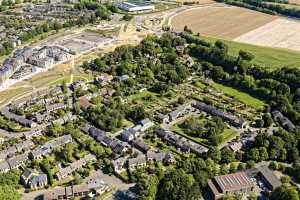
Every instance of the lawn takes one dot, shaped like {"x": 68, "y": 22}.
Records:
{"x": 264, "y": 56}
{"x": 175, "y": 128}
{"x": 241, "y": 96}
{"x": 228, "y": 135}
{"x": 145, "y": 97}
{"x": 200, "y": 85}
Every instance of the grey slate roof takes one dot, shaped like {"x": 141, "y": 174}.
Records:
{"x": 269, "y": 176}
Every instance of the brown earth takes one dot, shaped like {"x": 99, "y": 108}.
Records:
{"x": 223, "y": 22}
{"x": 294, "y": 2}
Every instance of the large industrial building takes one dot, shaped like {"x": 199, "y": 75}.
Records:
{"x": 135, "y": 6}
{"x": 236, "y": 183}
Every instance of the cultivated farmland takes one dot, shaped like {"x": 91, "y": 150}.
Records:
{"x": 282, "y": 33}
{"x": 222, "y": 22}
{"x": 294, "y": 2}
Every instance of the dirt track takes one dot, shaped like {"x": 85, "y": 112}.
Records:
{"x": 223, "y": 22}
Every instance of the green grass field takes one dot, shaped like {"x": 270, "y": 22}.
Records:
{"x": 241, "y": 96}
{"x": 145, "y": 97}
{"x": 175, "y": 128}
{"x": 264, "y": 56}
{"x": 228, "y": 135}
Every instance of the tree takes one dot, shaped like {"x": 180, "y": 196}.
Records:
{"x": 177, "y": 185}
{"x": 259, "y": 123}
{"x": 285, "y": 179}
{"x": 8, "y": 192}
{"x": 214, "y": 154}
{"x": 274, "y": 165}
{"x": 147, "y": 187}
{"x": 268, "y": 121}
{"x": 55, "y": 130}
{"x": 284, "y": 192}
{"x": 245, "y": 55}
{"x": 77, "y": 108}
{"x": 227, "y": 156}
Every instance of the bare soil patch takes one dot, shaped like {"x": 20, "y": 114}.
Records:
{"x": 222, "y": 22}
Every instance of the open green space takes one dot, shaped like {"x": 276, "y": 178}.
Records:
{"x": 200, "y": 85}
{"x": 264, "y": 56}
{"x": 145, "y": 97}
{"x": 241, "y": 96}
{"x": 228, "y": 135}
{"x": 175, "y": 128}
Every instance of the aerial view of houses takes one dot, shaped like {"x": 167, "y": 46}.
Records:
{"x": 149, "y": 100}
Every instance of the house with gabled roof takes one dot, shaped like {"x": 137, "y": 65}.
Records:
{"x": 139, "y": 161}
{"x": 32, "y": 179}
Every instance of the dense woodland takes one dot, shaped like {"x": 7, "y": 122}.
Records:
{"x": 155, "y": 64}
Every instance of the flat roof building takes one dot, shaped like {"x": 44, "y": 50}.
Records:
{"x": 236, "y": 183}
{"x": 268, "y": 177}
{"x": 135, "y": 6}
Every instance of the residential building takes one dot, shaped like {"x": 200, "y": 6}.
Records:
{"x": 236, "y": 146}
{"x": 4, "y": 167}
{"x": 85, "y": 190}
{"x": 48, "y": 147}
{"x": 119, "y": 165}
{"x": 17, "y": 161}
{"x": 141, "y": 145}
{"x": 33, "y": 133}
{"x": 135, "y": 131}
{"x": 122, "y": 77}
{"x": 135, "y": 163}
{"x": 239, "y": 123}
{"x": 84, "y": 103}
{"x": 118, "y": 147}
{"x": 63, "y": 172}
{"x": 77, "y": 84}
{"x": 98, "y": 185}
{"x": 8, "y": 152}
{"x": 51, "y": 108}
{"x": 146, "y": 124}
{"x": 284, "y": 121}
{"x": 178, "y": 112}
{"x": 104, "y": 79}
{"x": 24, "y": 145}
{"x": 33, "y": 179}
{"x": 166, "y": 158}
{"x": 181, "y": 143}
{"x": 17, "y": 118}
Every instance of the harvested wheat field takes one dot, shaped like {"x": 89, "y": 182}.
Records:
{"x": 282, "y": 33}
{"x": 223, "y": 22}
{"x": 294, "y": 2}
